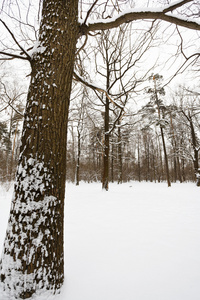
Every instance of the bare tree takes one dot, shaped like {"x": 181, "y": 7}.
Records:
{"x": 121, "y": 56}
{"x": 156, "y": 93}
{"x": 11, "y": 109}
{"x": 187, "y": 105}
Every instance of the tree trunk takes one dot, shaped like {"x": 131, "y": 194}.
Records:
{"x": 120, "y": 179}
{"x": 139, "y": 168}
{"x": 147, "y": 160}
{"x": 162, "y": 136}
{"x": 183, "y": 169}
{"x": 105, "y": 178}
{"x": 177, "y": 162}
{"x": 112, "y": 162}
{"x": 166, "y": 158}
{"x": 153, "y": 163}
{"x": 78, "y": 158}
{"x": 73, "y": 165}
{"x": 161, "y": 162}
{"x": 196, "y": 152}
{"x": 33, "y": 256}
{"x": 179, "y": 170}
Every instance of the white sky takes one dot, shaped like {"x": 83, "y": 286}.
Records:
{"x": 19, "y": 69}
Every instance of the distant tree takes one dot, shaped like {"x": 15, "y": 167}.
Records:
{"x": 11, "y": 109}
{"x": 121, "y": 56}
{"x": 155, "y": 110}
{"x": 5, "y": 147}
{"x": 173, "y": 135}
{"x": 16, "y": 118}
{"x": 188, "y": 108}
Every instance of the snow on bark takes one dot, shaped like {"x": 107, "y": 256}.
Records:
{"x": 37, "y": 48}
{"x": 29, "y": 234}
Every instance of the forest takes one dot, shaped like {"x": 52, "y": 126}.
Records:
{"x": 136, "y": 150}
{"x": 152, "y": 131}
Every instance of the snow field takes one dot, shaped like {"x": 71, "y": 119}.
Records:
{"x": 139, "y": 241}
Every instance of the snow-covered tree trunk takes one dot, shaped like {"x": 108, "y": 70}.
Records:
{"x": 33, "y": 257}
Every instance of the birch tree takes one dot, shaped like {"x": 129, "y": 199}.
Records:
{"x": 33, "y": 257}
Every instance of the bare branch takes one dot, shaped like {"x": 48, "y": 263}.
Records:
{"x": 89, "y": 11}
{"x": 85, "y": 42}
{"x": 94, "y": 87}
{"x": 149, "y": 14}
{"x": 12, "y": 56}
{"x": 176, "y": 5}
{"x": 13, "y": 37}
{"x": 10, "y": 100}
{"x": 195, "y": 56}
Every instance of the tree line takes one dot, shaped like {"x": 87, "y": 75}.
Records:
{"x": 159, "y": 142}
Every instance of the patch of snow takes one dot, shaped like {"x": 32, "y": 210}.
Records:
{"x": 37, "y": 48}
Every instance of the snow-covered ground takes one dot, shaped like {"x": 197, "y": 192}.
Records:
{"x": 139, "y": 241}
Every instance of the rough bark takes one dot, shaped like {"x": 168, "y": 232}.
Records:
{"x": 33, "y": 256}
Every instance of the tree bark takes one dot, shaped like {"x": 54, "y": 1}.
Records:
{"x": 33, "y": 256}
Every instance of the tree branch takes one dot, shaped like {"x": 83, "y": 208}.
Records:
{"x": 13, "y": 37}
{"x": 181, "y": 67}
{"x": 89, "y": 11}
{"x": 149, "y": 14}
{"x": 96, "y": 88}
{"x": 176, "y": 5}
{"x": 12, "y": 56}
